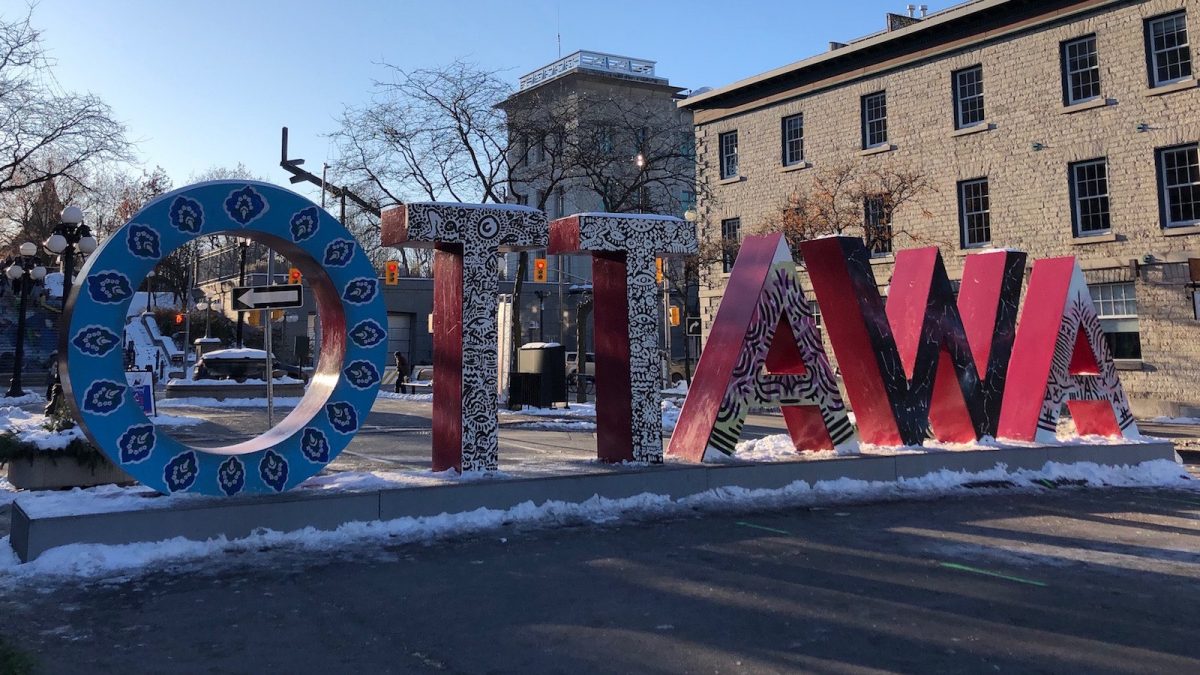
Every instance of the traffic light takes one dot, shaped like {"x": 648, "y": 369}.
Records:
{"x": 658, "y": 263}
{"x": 674, "y": 315}
{"x": 539, "y": 270}
{"x": 178, "y": 319}
{"x": 391, "y": 273}
{"x": 293, "y": 276}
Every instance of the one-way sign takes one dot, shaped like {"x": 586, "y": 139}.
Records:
{"x": 251, "y": 298}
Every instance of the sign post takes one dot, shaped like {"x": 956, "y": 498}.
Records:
{"x": 268, "y": 334}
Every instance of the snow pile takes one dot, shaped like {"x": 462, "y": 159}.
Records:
{"x": 30, "y": 428}
{"x": 680, "y": 389}
{"x": 236, "y": 353}
{"x": 581, "y": 410}
{"x": 175, "y": 421}
{"x": 230, "y": 383}
{"x": 96, "y": 560}
{"x": 28, "y": 399}
{"x": 8, "y": 493}
{"x": 670, "y": 415}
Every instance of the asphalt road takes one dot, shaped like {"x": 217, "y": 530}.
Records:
{"x": 1068, "y": 580}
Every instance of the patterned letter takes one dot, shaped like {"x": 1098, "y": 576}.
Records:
{"x": 624, "y": 247}
{"x": 1060, "y": 356}
{"x": 468, "y": 238}
{"x": 892, "y": 360}
{"x": 764, "y": 350}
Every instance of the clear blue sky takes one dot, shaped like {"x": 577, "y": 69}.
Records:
{"x": 210, "y": 82}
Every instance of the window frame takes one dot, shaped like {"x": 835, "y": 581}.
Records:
{"x": 786, "y": 156}
{"x": 729, "y": 258}
{"x": 1152, "y": 55}
{"x": 1115, "y": 320}
{"x": 956, "y": 95}
{"x": 1073, "y": 186}
{"x": 1067, "y": 73}
{"x": 962, "y": 212}
{"x": 1164, "y": 203}
{"x": 725, "y": 170}
{"x": 864, "y": 104}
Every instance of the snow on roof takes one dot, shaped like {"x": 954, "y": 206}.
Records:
{"x": 238, "y": 353}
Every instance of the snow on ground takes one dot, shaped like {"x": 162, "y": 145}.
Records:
{"x": 584, "y": 410}
{"x": 8, "y": 493}
{"x": 163, "y": 420}
{"x": 230, "y": 383}
{"x": 200, "y": 402}
{"x": 1175, "y": 420}
{"x": 28, "y": 399}
{"x": 97, "y": 560}
{"x": 551, "y": 425}
{"x": 391, "y": 395}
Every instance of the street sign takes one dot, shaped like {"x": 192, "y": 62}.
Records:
{"x": 252, "y": 298}
{"x": 692, "y": 326}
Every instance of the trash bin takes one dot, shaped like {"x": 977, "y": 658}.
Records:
{"x": 541, "y": 376}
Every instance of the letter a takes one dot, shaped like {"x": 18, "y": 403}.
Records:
{"x": 1060, "y": 356}
{"x": 764, "y": 350}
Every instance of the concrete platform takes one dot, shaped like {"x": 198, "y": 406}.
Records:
{"x": 205, "y": 518}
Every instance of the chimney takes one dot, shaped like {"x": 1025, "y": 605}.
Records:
{"x": 912, "y": 11}
{"x": 924, "y": 10}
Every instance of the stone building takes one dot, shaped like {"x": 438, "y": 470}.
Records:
{"x": 1059, "y": 127}
{"x": 599, "y": 132}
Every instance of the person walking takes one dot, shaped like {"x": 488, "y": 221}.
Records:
{"x": 401, "y": 371}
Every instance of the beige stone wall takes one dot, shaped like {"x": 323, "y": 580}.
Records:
{"x": 1030, "y": 202}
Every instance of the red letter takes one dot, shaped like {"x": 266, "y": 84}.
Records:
{"x": 764, "y": 323}
{"x": 1060, "y": 356}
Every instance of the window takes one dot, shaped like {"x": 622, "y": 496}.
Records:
{"x": 968, "y": 97}
{"x": 687, "y": 201}
{"x": 729, "y": 154}
{"x": 877, "y": 230}
{"x": 731, "y": 229}
{"x": 974, "y": 212}
{"x": 874, "y": 120}
{"x": 1116, "y": 305}
{"x": 1179, "y": 185}
{"x": 793, "y": 140}
{"x": 538, "y": 153}
{"x": 1081, "y": 70}
{"x": 1167, "y": 51}
{"x": 1089, "y": 197}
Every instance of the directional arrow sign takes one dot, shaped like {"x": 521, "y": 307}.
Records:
{"x": 250, "y": 298}
{"x": 692, "y": 326}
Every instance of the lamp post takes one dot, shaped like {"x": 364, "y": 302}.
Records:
{"x": 24, "y": 272}
{"x": 207, "y": 305}
{"x": 149, "y": 289}
{"x": 69, "y": 236}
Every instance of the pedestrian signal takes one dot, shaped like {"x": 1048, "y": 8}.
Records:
{"x": 539, "y": 270}
{"x": 178, "y": 319}
{"x": 293, "y": 276}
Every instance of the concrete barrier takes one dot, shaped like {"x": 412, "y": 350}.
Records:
{"x": 206, "y": 518}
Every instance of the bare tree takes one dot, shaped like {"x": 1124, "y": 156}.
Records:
{"x": 851, "y": 199}
{"x": 431, "y": 134}
{"x": 46, "y": 134}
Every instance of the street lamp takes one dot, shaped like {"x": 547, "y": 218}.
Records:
{"x": 208, "y": 305}
{"x": 149, "y": 289}
{"x": 23, "y": 273}
{"x": 69, "y": 236}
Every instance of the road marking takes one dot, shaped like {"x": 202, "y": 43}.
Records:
{"x": 761, "y": 527}
{"x": 989, "y": 573}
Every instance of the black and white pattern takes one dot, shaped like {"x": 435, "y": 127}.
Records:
{"x": 642, "y": 238}
{"x": 1080, "y": 315}
{"x": 483, "y": 231}
{"x": 782, "y": 299}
